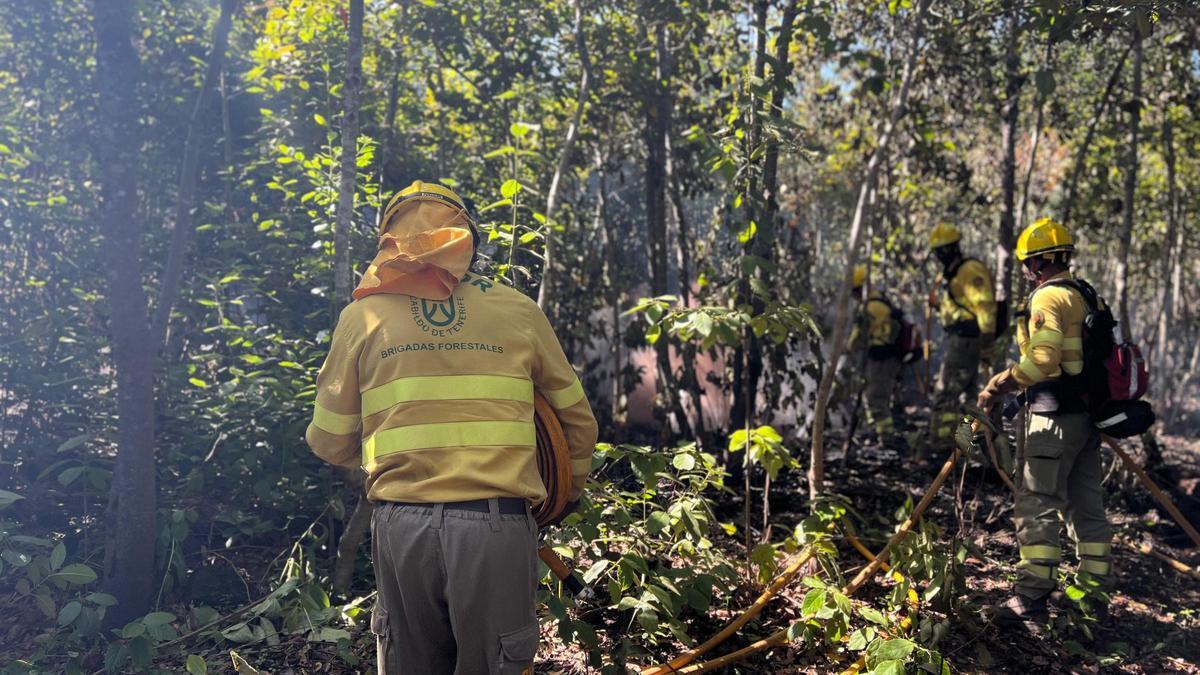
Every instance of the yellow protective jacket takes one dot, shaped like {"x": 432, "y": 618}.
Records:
{"x": 968, "y": 296}
{"x": 1051, "y": 336}
{"x": 877, "y": 320}
{"x": 429, "y": 385}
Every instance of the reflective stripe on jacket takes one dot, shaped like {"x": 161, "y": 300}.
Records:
{"x": 1051, "y": 337}
{"x": 439, "y": 395}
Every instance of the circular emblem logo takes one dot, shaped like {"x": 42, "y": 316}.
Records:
{"x": 440, "y": 314}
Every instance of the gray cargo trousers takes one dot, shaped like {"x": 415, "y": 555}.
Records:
{"x": 456, "y": 590}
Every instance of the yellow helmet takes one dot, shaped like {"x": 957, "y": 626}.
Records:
{"x": 944, "y": 235}
{"x": 1044, "y": 236}
{"x": 860, "y": 276}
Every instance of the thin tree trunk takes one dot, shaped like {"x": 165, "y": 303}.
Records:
{"x": 658, "y": 123}
{"x": 1131, "y": 171}
{"x": 610, "y": 283}
{"x": 841, "y": 330}
{"x": 1081, "y": 153}
{"x": 1012, "y": 111}
{"x": 348, "y": 174}
{"x": 1040, "y": 106}
{"x": 1170, "y": 257}
{"x": 749, "y": 357}
{"x": 356, "y": 528}
{"x": 129, "y": 556}
{"x": 227, "y": 146}
{"x": 546, "y": 290}
{"x": 184, "y": 226}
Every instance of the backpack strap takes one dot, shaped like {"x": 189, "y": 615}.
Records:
{"x": 1085, "y": 290}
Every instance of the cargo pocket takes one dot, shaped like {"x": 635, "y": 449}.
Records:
{"x": 1043, "y": 455}
{"x": 517, "y": 649}
{"x": 384, "y": 649}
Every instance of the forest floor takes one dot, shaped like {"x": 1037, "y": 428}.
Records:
{"x": 1154, "y": 620}
{"x": 1153, "y": 626}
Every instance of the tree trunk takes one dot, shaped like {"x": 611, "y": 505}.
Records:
{"x": 749, "y": 357}
{"x": 356, "y": 528}
{"x": 545, "y": 290}
{"x": 1012, "y": 111}
{"x": 658, "y": 123}
{"x": 611, "y": 265}
{"x": 129, "y": 556}
{"x": 184, "y": 226}
{"x": 1081, "y": 153}
{"x": 1170, "y": 256}
{"x": 1131, "y": 171}
{"x": 841, "y": 324}
{"x": 1022, "y": 213}
{"x": 348, "y": 174}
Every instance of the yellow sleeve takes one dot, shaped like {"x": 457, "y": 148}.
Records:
{"x": 555, "y": 378}
{"x": 1042, "y": 356}
{"x": 333, "y": 433}
{"x": 979, "y": 296}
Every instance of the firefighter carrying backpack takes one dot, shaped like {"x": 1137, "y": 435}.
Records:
{"x": 907, "y": 342}
{"x": 1115, "y": 375}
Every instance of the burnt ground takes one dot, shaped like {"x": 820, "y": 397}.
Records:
{"x": 1154, "y": 619}
{"x": 1153, "y": 626}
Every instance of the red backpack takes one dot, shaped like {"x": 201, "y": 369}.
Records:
{"x": 1128, "y": 377}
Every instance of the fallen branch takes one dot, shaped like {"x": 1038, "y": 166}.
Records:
{"x": 1158, "y": 494}
{"x": 1147, "y": 549}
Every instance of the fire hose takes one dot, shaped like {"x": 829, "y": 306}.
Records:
{"x": 554, "y": 467}
{"x": 983, "y": 425}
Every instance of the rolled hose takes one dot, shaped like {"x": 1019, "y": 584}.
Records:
{"x": 554, "y": 468}
{"x": 553, "y": 461}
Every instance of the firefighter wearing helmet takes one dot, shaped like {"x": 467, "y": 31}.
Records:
{"x": 1061, "y": 478}
{"x": 967, "y": 309}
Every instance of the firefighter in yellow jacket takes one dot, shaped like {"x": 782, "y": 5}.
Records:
{"x": 1062, "y": 477}
{"x": 429, "y": 387}
{"x": 967, "y": 309}
{"x": 878, "y": 332}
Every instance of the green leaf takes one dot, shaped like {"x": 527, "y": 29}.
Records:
{"x": 7, "y": 497}
{"x": 320, "y": 119}
{"x": 158, "y": 618}
{"x": 69, "y": 612}
{"x": 102, "y": 599}
{"x": 814, "y": 600}
{"x": 1075, "y": 593}
{"x": 872, "y": 615}
{"x": 509, "y": 188}
{"x": 658, "y": 522}
{"x": 15, "y": 558}
{"x": 78, "y": 574}
{"x": 521, "y": 129}
{"x": 73, "y": 442}
{"x": 684, "y": 461}
{"x": 891, "y": 667}
{"x": 58, "y": 556}
{"x": 197, "y": 382}
{"x": 196, "y": 665}
{"x": 894, "y": 649}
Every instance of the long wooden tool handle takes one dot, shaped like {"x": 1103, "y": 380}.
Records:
{"x": 560, "y": 570}
{"x": 1158, "y": 494}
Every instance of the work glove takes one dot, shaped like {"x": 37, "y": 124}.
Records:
{"x": 967, "y": 439}
{"x": 998, "y": 387}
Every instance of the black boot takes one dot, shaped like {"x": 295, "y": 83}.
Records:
{"x": 1019, "y": 610}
